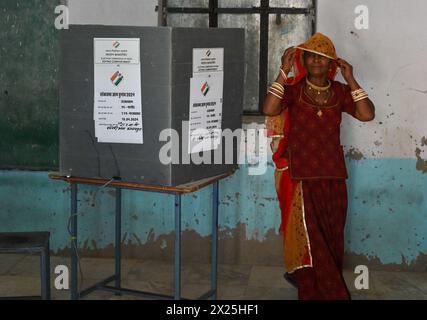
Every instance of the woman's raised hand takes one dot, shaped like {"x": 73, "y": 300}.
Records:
{"x": 288, "y": 59}
{"x": 346, "y": 69}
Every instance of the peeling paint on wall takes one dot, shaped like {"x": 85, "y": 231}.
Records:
{"x": 387, "y": 216}
{"x": 354, "y": 154}
{"x": 421, "y": 163}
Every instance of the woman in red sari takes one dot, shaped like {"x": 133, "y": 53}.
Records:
{"x": 311, "y": 172}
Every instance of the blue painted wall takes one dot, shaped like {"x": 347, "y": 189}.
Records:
{"x": 387, "y": 218}
{"x": 387, "y": 210}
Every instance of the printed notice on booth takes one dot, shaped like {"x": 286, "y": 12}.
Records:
{"x": 206, "y": 99}
{"x": 117, "y": 91}
{"x": 205, "y": 125}
{"x": 208, "y": 60}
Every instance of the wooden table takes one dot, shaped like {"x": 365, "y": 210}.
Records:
{"x": 178, "y": 191}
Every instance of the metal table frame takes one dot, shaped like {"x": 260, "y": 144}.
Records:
{"x": 116, "y": 278}
{"x": 35, "y": 243}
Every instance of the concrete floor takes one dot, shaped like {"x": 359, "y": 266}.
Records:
{"x": 19, "y": 275}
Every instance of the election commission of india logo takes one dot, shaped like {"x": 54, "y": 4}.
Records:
{"x": 116, "y": 78}
{"x": 205, "y": 89}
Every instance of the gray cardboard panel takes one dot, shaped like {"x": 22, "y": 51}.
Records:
{"x": 184, "y": 40}
{"x": 131, "y": 170}
{"x": 83, "y": 141}
{"x": 186, "y": 174}
{"x": 165, "y": 101}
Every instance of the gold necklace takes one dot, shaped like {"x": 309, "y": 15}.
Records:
{"x": 320, "y": 112}
{"x": 319, "y": 90}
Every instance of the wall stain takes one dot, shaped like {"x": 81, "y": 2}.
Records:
{"x": 421, "y": 163}
{"x": 355, "y": 154}
{"x": 270, "y": 199}
{"x": 163, "y": 244}
{"x": 94, "y": 245}
{"x": 352, "y": 260}
{"x": 234, "y": 248}
{"x": 418, "y": 90}
{"x": 137, "y": 239}
{"x": 423, "y": 141}
{"x": 66, "y": 190}
{"x": 354, "y": 34}
{"x": 151, "y": 235}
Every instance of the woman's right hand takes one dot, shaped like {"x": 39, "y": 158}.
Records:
{"x": 288, "y": 59}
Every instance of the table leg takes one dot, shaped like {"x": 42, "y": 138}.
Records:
{"x": 118, "y": 246}
{"x": 73, "y": 239}
{"x": 214, "y": 266}
{"x": 177, "y": 246}
{"x": 45, "y": 272}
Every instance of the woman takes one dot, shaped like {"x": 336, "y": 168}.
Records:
{"x": 311, "y": 173}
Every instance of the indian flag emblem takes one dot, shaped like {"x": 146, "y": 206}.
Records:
{"x": 117, "y": 78}
{"x": 205, "y": 89}
{"x": 116, "y": 44}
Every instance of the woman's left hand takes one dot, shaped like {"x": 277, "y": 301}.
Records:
{"x": 346, "y": 69}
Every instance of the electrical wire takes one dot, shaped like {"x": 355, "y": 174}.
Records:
{"x": 97, "y": 190}
{"x": 74, "y": 247}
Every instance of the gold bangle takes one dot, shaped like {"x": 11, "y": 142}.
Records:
{"x": 277, "y": 91}
{"x": 276, "y": 95}
{"x": 278, "y": 86}
{"x": 285, "y": 77}
{"x": 360, "y": 99}
{"x": 357, "y": 93}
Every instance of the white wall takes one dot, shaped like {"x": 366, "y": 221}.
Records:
{"x": 390, "y": 60}
{"x": 113, "y": 12}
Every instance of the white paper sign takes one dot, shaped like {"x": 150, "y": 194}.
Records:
{"x": 117, "y": 94}
{"x": 205, "y": 122}
{"x": 208, "y": 60}
{"x": 117, "y": 51}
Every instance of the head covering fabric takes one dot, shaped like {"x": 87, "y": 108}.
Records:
{"x": 319, "y": 44}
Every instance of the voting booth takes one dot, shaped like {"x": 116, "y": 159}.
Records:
{"x": 139, "y": 104}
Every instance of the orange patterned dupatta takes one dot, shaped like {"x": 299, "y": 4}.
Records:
{"x": 289, "y": 192}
